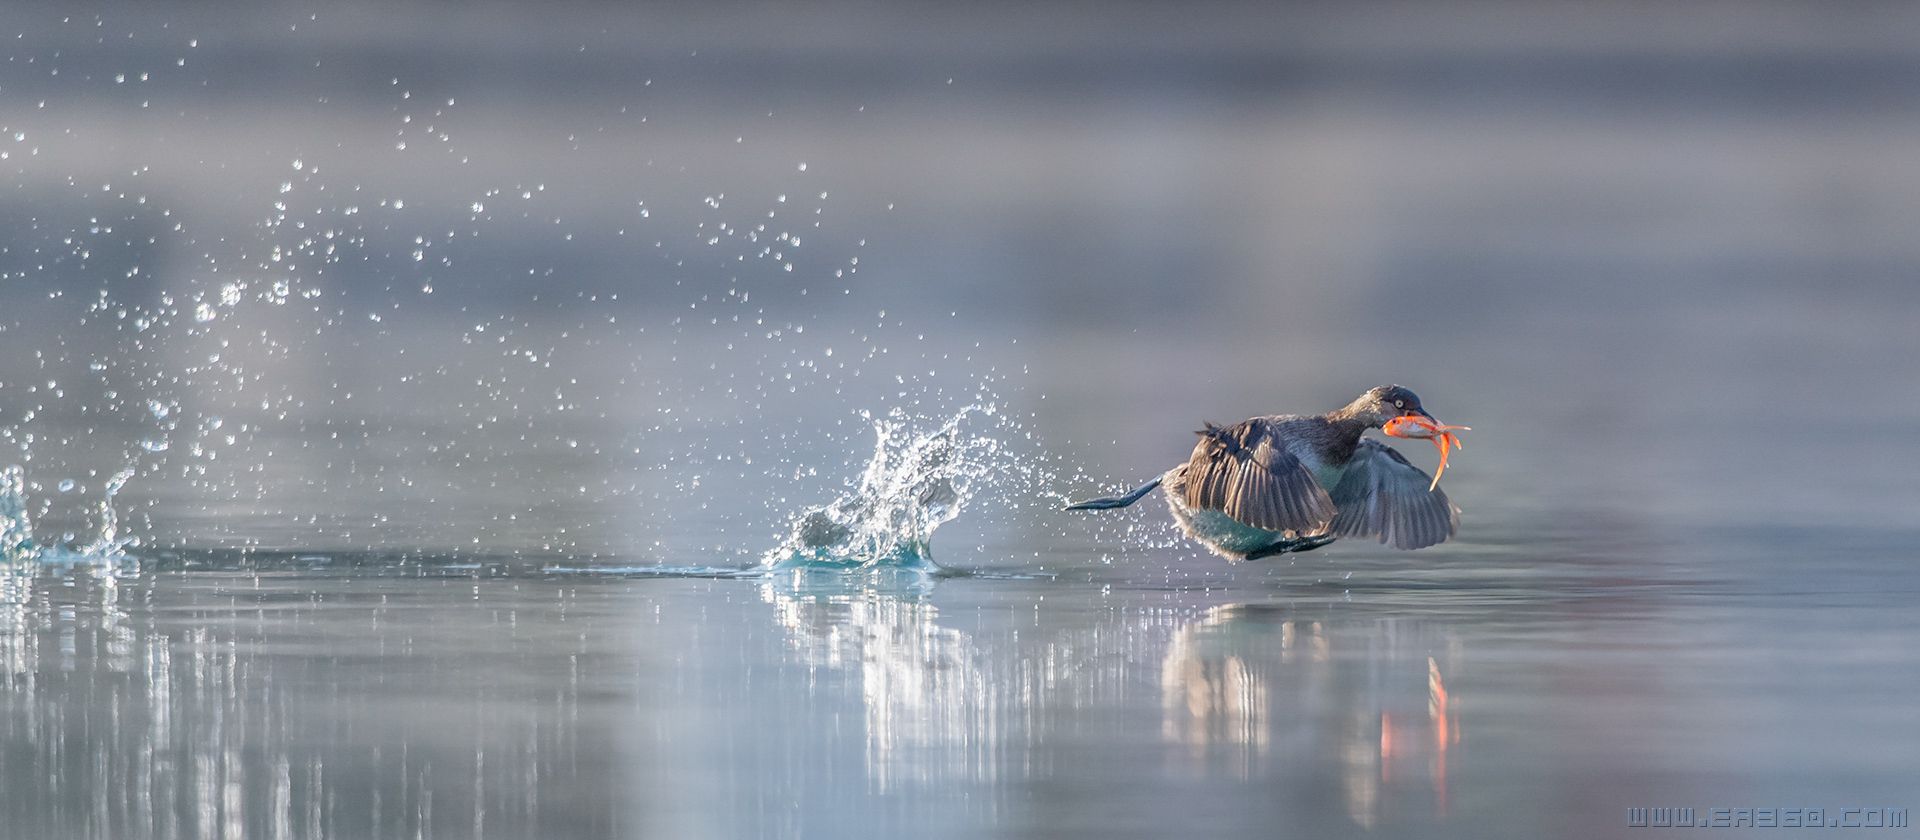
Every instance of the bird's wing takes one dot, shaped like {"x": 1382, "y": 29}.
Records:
{"x": 1246, "y": 472}
{"x": 1382, "y": 495}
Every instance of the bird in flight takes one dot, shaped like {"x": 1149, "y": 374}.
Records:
{"x": 1290, "y": 483}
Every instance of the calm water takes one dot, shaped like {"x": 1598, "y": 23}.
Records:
{"x": 1536, "y": 678}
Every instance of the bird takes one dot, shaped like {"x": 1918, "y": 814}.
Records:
{"x": 1289, "y": 483}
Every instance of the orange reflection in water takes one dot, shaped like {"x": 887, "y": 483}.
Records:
{"x": 1443, "y": 732}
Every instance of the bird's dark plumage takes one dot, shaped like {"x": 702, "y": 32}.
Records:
{"x": 1285, "y": 483}
{"x": 1246, "y": 472}
{"x": 1380, "y": 494}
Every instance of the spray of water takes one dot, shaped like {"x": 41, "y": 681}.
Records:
{"x": 916, "y": 480}
{"x": 19, "y": 550}
{"x": 16, "y": 525}
{"x": 348, "y": 351}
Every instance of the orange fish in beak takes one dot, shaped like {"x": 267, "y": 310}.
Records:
{"x": 1419, "y": 427}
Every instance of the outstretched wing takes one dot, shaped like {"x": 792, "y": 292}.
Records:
{"x": 1381, "y": 494}
{"x": 1246, "y": 472}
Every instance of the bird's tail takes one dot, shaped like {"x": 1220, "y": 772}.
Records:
{"x": 1112, "y": 502}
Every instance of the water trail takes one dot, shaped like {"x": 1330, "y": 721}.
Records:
{"x": 915, "y": 481}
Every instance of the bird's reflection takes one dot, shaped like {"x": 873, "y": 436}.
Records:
{"x": 1245, "y": 682}
{"x": 1246, "y": 691}
{"x": 232, "y": 707}
{"x": 1212, "y": 697}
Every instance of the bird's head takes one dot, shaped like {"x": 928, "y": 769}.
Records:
{"x": 1379, "y": 405}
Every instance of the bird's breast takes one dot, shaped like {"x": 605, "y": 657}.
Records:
{"x": 1327, "y": 474}
{"x": 1221, "y": 531}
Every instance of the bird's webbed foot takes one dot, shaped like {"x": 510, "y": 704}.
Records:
{"x": 1292, "y": 546}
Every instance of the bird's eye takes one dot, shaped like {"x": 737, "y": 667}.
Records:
{"x": 1399, "y": 403}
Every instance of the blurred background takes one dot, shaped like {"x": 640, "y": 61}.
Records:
{"x": 586, "y": 256}
{"x": 458, "y": 356}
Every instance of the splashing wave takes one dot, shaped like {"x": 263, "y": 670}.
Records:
{"x": 916, "y": 480}
{"x": 20, "y": 552}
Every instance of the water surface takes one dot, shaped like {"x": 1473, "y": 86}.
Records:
{"x": 1491, "y": 690}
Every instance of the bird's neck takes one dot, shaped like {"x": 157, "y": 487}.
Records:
{"x": 1348, "y": 418}
{"x": 1347, "y": 427}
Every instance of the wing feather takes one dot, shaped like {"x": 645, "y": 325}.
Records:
{"x": 1383, "y": 495}
{"x": 1246, "y": 472}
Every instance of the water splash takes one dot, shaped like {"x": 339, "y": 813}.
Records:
{"x": 16, "y": 525}
{"x": 19, "y": 551}
{"x": 109, "y": 543}
{"x": 915, "y": 482}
